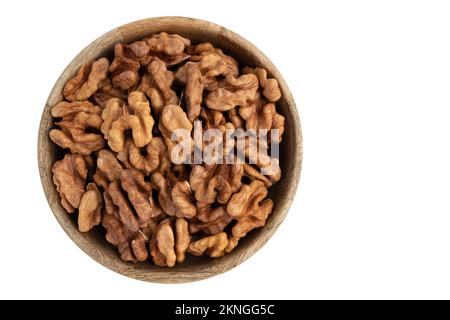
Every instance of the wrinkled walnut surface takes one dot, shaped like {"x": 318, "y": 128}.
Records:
{"x": 121, "y": 168}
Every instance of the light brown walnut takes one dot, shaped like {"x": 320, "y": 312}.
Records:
{"x": 213, "y": 245}
{"x": 182, "y": 238}
{"x": 69, "y": 176}
{"x": 155, "y": 158}
{"x": 87, "y": 80}
{"x": 241, "y": 91}
{"x": 270, "y": 87}
{"x": 131, "y": 245}
{"x": 162, "y": 245}
{"x": 118, "y": 117}
{"x": 157, "y": 85}
{"x": 77, "y": 119}
{"x": 90, "y": 209}
{"x": 175, "y": 197}
{"x": 174, "y": 118}
{"x": 250, "y": 208}
{"x": 124, "y": 68}
{"x": 215, "y": 182}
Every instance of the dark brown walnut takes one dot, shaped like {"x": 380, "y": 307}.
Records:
{"x": 157, "y": 85}
{"x": 175, "y": 197}
{"x": 241, "y": 91}
{"x": 131, "y": 245}
{"x": 90, "y": 209}
{"x": 155, "y": 158}
{"x": 73, "y": 133}
{"x": 118, "y": 117}
{"x": 69, "y": 176}
{"x": 270, "y": 86}
{"x": 162, "y": 245}
{"x": 213, "y": 245}
{"x": 87, "y": 80}
{"x": 215, "y": 182}
{"x": 250, "y": 208}
{"x": 124, "y": 68}
{"x": 107, "y": 91}
{"x": 194, "y": 91}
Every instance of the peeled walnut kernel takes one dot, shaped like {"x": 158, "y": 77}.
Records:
{"x": 77, "y": 118}
{"x": 157, "y": 85}
{"x": 118, "y": 117}
{"x": 215, "y": 182}
{"x": 240, "y": 91}
{"x": 214, "y": 245}
{"x": 270, "y": 86}
{"x": 155, "y": 159}
{"x": 182, "y": 238}
{"x": 69, "y": 176}
{"x": 162, "y": 245}
{"x": 87, "y": 80}
{"x": 89, "y": 211}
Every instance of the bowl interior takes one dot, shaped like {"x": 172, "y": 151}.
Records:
{"x": 195, "y": 268}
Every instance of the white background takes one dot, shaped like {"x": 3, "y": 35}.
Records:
{"x": 371, "y": 218}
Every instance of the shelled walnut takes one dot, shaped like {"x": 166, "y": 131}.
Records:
{"x": 120, "y": 168}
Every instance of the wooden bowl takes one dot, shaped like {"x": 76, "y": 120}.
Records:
{"x": 195, "y": 268}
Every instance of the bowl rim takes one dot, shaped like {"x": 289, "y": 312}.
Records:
{"x": 166, "y": 275}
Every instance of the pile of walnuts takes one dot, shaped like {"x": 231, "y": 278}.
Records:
{"x": 116, "y": 123}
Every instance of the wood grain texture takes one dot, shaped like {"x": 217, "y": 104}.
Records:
{"x": 291, "y": 152}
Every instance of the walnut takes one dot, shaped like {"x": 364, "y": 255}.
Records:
{"x": 210, "y": 220}
{"x": 253, "y": 173}
{"x": 162, "y": 245}
{"x": 156, "y": 84}
{"x": 213, "y": 245}
{"x": 270, "y": 86}
{"x": 236, "y": 119}
{"x": 249, "y": 207}
{"x": 108, "y": 165}
{"x": 262, "y": 116}
{"x": 107, "y": 91}
{"x": 87, "y": 80}
{"x": 131, "y": 245}
{"x": 118, "y": 117}
{"x": 156, "y": 157}
{"x": 215, "y": 182}
{"x": 241, "y": 91}
{"x": 170, "y": 44}
{"x": 90, "y": 209}
{"x": 140, "y": 194}
{"x": 120, "y": 207}
{"x": 212, "y": 62}
{"x": 174, "y": 118}
{"x": 194, "y": 91}
{"x": 69, "y": 176}
{"x": 175, "y": 197}
{"x": 77, "y": 118}
{"x": 124, "y": 68}
{"x": 182, "y": 238}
